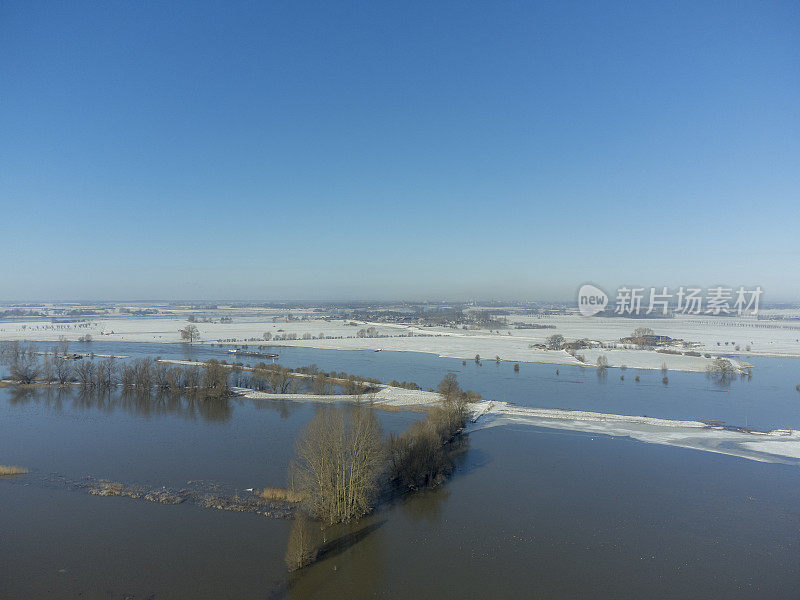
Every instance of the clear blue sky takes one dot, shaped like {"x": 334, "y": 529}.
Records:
{"x": 410, "y": 150}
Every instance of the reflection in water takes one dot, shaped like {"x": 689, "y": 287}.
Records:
{"x": 337, "y": 542}
{"x": 311, "y": 544}
{"x": 768, "y": 400}
{"x": 189, "y": 406}
{"x": 305, "y": 539}
{"x": 285, "y": 408}
{"x": 425, "y": 505}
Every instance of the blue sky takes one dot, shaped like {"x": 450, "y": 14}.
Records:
{"x": 397, "y": 150}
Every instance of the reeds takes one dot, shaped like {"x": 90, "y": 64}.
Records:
{"x": 12, "y": 470}
{"x": 275, "y": 494}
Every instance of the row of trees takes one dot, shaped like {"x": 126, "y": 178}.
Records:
{"x": 419, "y": 456}
{"x": 146, "y": 375}
{"x": 27, "y": 366}
{"x": 272, "y": 378}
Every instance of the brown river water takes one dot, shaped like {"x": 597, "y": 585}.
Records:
{"x": 529, "y": 512}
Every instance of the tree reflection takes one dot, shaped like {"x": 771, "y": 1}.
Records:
{"x": 186, "y": 405}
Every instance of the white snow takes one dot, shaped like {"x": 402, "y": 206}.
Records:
{"x": 768, "y": 338}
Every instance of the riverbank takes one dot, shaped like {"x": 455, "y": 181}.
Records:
{"x": 715, "y": 337}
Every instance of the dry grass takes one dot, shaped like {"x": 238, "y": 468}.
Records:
{"x": 12, "y": 470}
{"x": 273, "y": 494}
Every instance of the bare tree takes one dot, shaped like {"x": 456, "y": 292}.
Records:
{"x": 84, "y": 372}
{"x": 160, "y": 372}
{"x": 143, "y": 377}
{"x": 555, "y": 342}
{"x": 127, "y": 377}
{"x": 192, "y": 377}
{"x": 175, "y": 379}
{"x": 721, "y": 369}
{"x": 643, "y": 336}
{"x": 321, "y": 385}
{"x": 190, "y": 334}
{"x": 449, "y": 387}
{"x": 355, "y": 386}
{"x": 63, "y": 369}
{"x": 25, "y": 366}
{"x": 106, "y": 373}
{"x": 215, "y": 379}
{"x": 279, "y": 379}
{"x": 339, "y": 460}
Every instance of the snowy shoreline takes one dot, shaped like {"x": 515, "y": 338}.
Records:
{"x": 777, "y": 446}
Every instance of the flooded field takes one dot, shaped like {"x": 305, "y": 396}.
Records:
{"x": 767, "y": 400}
{"x": 556, "y": 514}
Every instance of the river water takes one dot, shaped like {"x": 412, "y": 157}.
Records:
{"x": 528, "y": 513}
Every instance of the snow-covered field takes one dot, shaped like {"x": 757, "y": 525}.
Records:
{"x": 766, "y": 338}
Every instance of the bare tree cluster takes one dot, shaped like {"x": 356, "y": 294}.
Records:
{"x": 419, "y": 457}
{"x": 23, "y": 360}
{"x": 339, "y": 462}
{"x": 272, "y": 378}
{"x": 143, "y": 375}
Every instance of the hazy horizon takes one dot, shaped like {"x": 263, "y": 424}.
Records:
{"x": 358, "y": 151}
